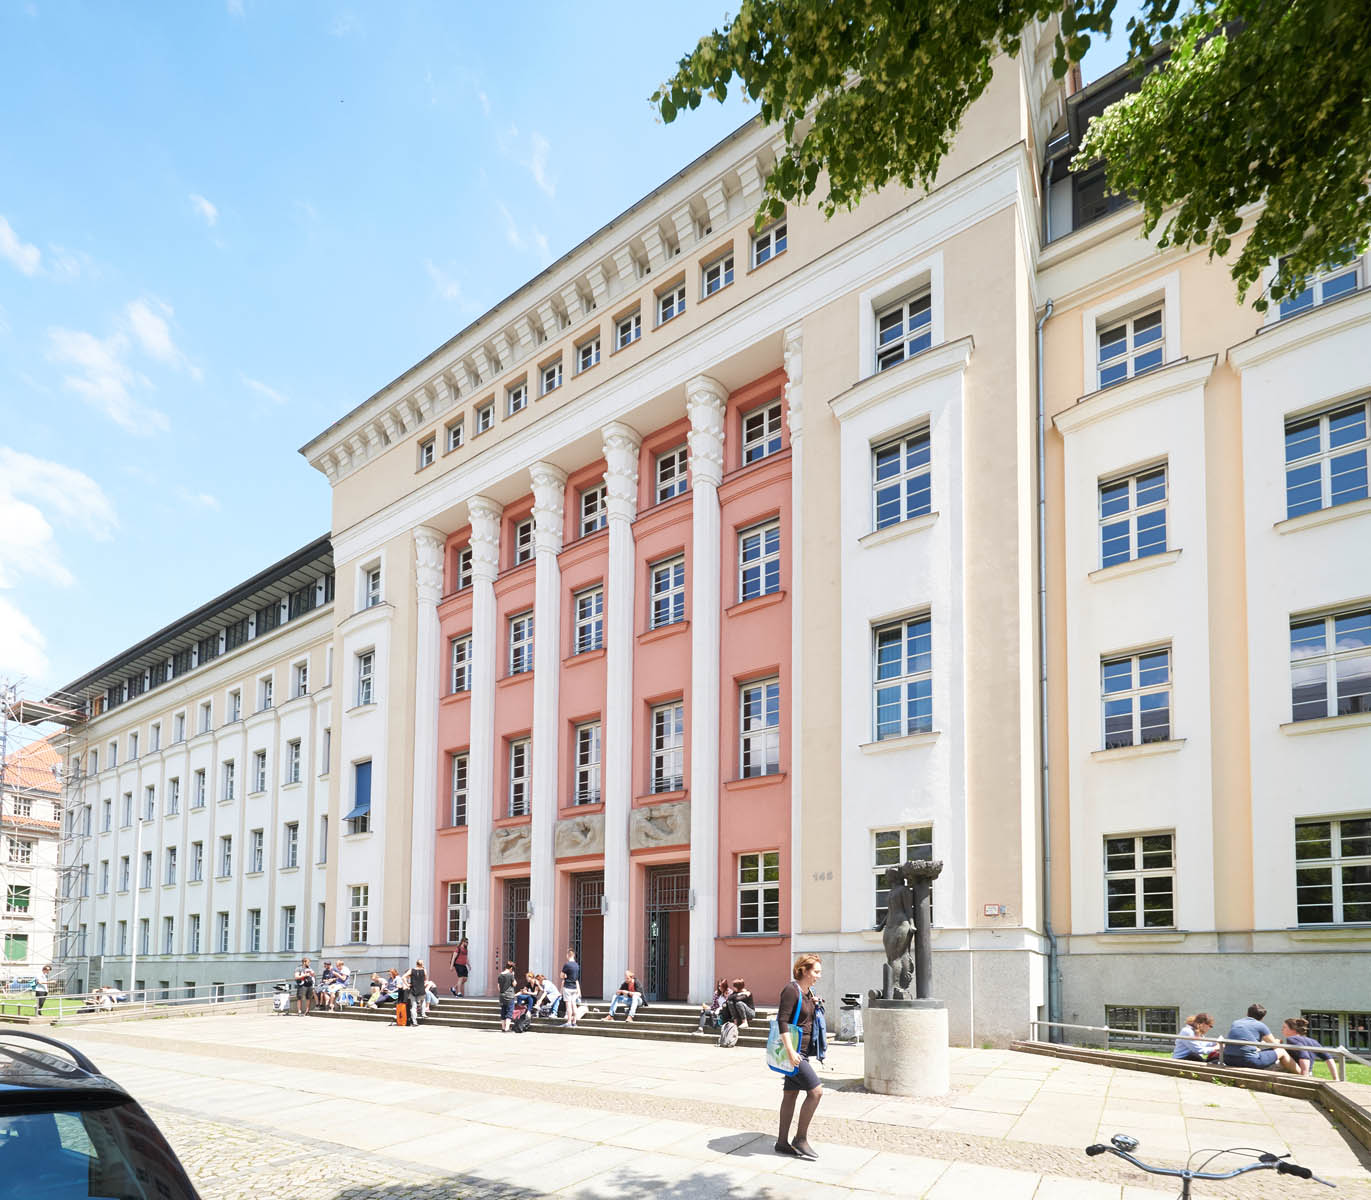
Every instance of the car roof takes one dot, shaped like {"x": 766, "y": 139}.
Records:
{"x": 32, "y": 1063}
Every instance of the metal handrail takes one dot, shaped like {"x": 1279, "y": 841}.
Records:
{"x": 146, "y": 998}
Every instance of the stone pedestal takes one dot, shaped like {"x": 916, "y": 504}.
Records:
{"x": 906, "y": 1047}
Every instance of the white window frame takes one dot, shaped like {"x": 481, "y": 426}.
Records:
{"x": 235, "y": 705}
{"x": 456, "y": 911}
{"x": 628, "y": 329}
{"x": 197, "y": 862}
{"x": 199, "y": 789}
{"x": 290, "y": 852}
{"x": 1327, "y": 455}
{"x": 1337, "y": 863}
{"x": 667, "y": 592}
{"x": 670, "y": 303}
{"x": 520, "y": 637}
{"x": 759, "y": 738}
{"x": 1144, "y": 513}
{"x": 259, "y": 771}
{"x": 366, "y": 677}
{"x": 193, "y": 933}
{"x": 484, "y": 420}
{"x": 257, "y": 851}
{"x": 516, "y": 398}
{"x": 178, "y": 729}
{"x": 716, "y": 274}
{"x": 169, "y": 867}
{"x": 666, "y": 723}
{"x": 588, "y": 619}
{"x": 524, "y": 541}
{"x": 551, "y": 376}
{"x": 463, "y": 572}
{"x": 1140, "y": 697}
{"x": 759, "y": 889}
{"x": 300, "y": 679}
{"x": 459, "y": 655}
{"x": 371, "y": 586}
{"x": 428, "y": 451}
{"x": 173, "y": 806}
{"x": 519, "y": 753}
{"x": 762, "y": 433}
{"x": 915, "y": 467}
{"x": 459, "y": 785}
{"x": 287, "y": 927}
{"x": 594, "y": 509}
{"x": 293, "y": 761}
{"x": 1137, "y": 874}
{"x": 1135, "y": 357}
{"x": 454, "y": 434}
{"x": 587, "y": 354}
{"x": 769, "y": 243}
{"x": 228, "y": 780}
{"x": 918, "y": 677}
{"x": 587, "y": 747}
{"x": 759, "y": 570}
{"x": 670, "y": 473}
{"x": 359, "y": 897}
{"x": 225, "y": 856}
{"x": 895, "y": 846}
{"x": 1165, "y": 291}
{"x": 915, "y": 326}
{"x": 1316, "y": 286}
{"x": 1352, "y": 662}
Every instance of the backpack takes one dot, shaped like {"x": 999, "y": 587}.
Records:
{"x": 521, "y": 1020}
{"x": 728, "y": 1035}
{"x": 401, "y": 1013}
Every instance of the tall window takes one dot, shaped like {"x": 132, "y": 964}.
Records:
{"x": 292, "y": 844}
{"x": 762, "y": 432}
{"x": 463, "y": 571}
{"x": 149, "y": 802}
{"x": 197, "y": 861}
{"x": 225, "y": 856}
{"x": 1131, "y": 347}
{"x": 147, "y": 870}
{"x": 366, "y": 672}
{"x": 197, "y": 791}
{"x": 516, "y": 398}
{"x": 901, "y": 479}
{"x": 902, "y": 677}
{"x": 228, "y": 780}
{"x": 759, "y": 561}
{"x": 357, "y": 912}
{"x": 257, "y": 842}
{"x": 359, "y": 815}
{"x": 521, "y": 643}
{"x": 670, "y": 473}
{"x": 590, "y": 619}
{"x": 266, "y": 689}
{"x": 301, "y": 679}
{"x": 1333, "y": 871}
{"x": 17, "y": 896}
{"x": 193, "y": 933}
{"x": 1136, "y": 698}
{"x": 485, "y": 416}
{"x": 107, "y": 814}
{"x": 254, "y": 930}
{"x": 128, "y": 810}
{"x": 1140, "y": 881}
{"x": 178, "y": 729}
{"x": 323, "y": 839}
{"x": 206, "y": 716}
{"x": 104, "y": 876}
{"x": 458, "y": 788}
{"x": 523, "y": 541}
{"x": 1330, "y": 665}
{"x": 904, "y": 330}
{"x": 145, "y": 935}
{"x": 288, "y": 927}
{"x": 893, "y": 848}
{"x": 259, "y": 770}
{"x": 169, "y": 872}
{"x": 1133, "y": 517}
{"x": 552, "y": 377}
{"x": 428, "y": 450}
{"x": 461, "y": 663}
{"x": 456, "y": 911}
{"x": 587, "y": 763}
{"x": 293, "y": 761}
{"x": 759, "y": 892}
{"x": 173, "y": 796}
{"x": 235, "y": 705}
{"x": 769, "y": 243}
{"x": 671, "y": 303}
{"x": 717, "y": 275}
{"x": 668, "y": 592}
{"x": 759, "y": 728}
{"x": 588, "y": 354}
{"x": 1325, "y": 459}
{"x": 668, "y": 747}
{"x": 594, "y": 509}
{"x": 628, "y": 330}
{"x": 520, "y": 770}
{"x": 453, "y": 440}
{"x": 222, "y": 938}
{"x": 1321, "y": 288}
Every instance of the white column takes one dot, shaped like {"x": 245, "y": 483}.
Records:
{"x": 549, "y": 491}
{"x": 705, "y": 404}
{"x": 621, "y": 447}
{"x": 428, "y": 571}
{"x": 794, "y": 397}
{"x": 485, "y": 564}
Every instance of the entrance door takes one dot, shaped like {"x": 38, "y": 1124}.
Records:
{"x": 515, "y": 939}
{"x": 666, "y": 959}
{"x": 588, "y": 930}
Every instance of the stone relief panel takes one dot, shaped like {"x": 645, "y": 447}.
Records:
{"x": 580, "y": 835}
{"x": 659, "y": 825}
{"x": 510, "y": 844}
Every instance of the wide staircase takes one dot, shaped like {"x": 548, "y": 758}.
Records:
{"x": 660, "y": 1022}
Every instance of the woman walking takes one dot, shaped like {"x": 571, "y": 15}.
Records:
{"x": 461, "y": 964}
{"x": 796, "y": 1007}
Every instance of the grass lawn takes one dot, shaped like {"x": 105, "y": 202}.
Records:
{"x": 22, "y": 1004}
{"x": 1356, "y": 1073}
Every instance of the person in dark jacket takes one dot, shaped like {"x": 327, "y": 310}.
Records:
{"x": 506, "y": 984}
{"x": 418, "y": 994}
{"x": 739, "y": 1004}
{"x": 796, "y": 1007}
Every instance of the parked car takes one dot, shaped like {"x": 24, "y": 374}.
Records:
{"x": 67, "y": 1130}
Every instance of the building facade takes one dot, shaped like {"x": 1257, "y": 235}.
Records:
{"x": 30, "y": 824}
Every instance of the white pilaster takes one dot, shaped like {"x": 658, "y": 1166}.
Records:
{"x": 428, "y": 571}
{"x": 705, "y": 405}
{"x": 621, "y": 447}
{"x": 794, "y": 399}
{"x": 485, "y": 564}
{"x": 549, "y": 491}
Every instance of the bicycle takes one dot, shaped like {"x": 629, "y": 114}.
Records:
{"x": 1122, "y": 1146}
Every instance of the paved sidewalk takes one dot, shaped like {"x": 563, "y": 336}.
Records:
{"x": 342, "y": 1110}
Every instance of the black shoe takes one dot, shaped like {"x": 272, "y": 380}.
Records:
{"x": 787, "y": 1149}
{"x": 804, "y": 1150}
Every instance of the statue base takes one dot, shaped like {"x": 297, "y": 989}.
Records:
{"x": 906, "y": 1048}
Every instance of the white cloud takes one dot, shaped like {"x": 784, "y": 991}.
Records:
{"x": 485, "y": 103}
{"x": 204, "y": 208}
{"x": 26, "y": 257}
{"x": 66, "y": 264}
{"x": 534, "y": 240}
{"x": 203, "y": 499}
{"x": 154, "y": 335}
{"x": 235, "y": 7}
{"x": 532, "y": 156}
{"x": 263, "y": 389}
{"x": 103, "y": 379}
{"x": 23, "y": 650}
{"x": 537, "y": 164}
{"x": 448, "y": 288}
{"x": 343, "y": 25}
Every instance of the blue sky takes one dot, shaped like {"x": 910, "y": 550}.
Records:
{"x": 224, "y": 224}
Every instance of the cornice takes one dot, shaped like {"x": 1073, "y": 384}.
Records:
{"x": 950, "y": 358}
{"x": 1292, "y": 333}
{"x": 1143, "y": 389}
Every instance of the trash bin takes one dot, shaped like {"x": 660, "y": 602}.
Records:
{"x": 850, "y": 1022}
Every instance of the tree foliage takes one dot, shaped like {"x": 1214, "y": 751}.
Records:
{"x": 1258, "y": 102}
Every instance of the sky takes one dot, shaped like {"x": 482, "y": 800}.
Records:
{"x": 224, "y": 224}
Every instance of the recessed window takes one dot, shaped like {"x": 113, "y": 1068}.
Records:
{"x": 453, "y": 435}
{"x": 1333, "y": 870}
{"x": 371, "y": 595}
{"x": 762, "y": 432}
{"x": 759, "y": 892}
{"x": 628, "y": 330}
{"x": 523, "y": 541}
{"x": 590, "y": 619}
{"x": 521, "y": 643}
{"x": 759, "y": 728}
{"x": 366, "y": 677}
{"x": 456, "y": 912}
{"x": 358, "y": 817}
{"x": 1330, "y": 665}
{"x": 457, "y": 788}
{"x": 358, "y": 896}
{"x": 288, "y": 927}
{"x": 301, "y": 687}
{"x": 668, "y": 592}
{"x": 1133, "y": 517}
{"x": 894, "y": 848}
{"x": 257, "y": 851}
{"x": 594, "y": 509}
{"x": 516, "y": 398}
{"x": 551, "y": 377}
{"x": 291, "y": 848}
{"x": 173, "y": 797}
{"x": 769, "y": 243}
{"x": 1141, "y": 1021}
{"x": 668, "y": 747}
{"x": 1323, "y": 287}
{"x": 225, "y": 856}
{"x": 1140, "y": 881}
{"x": 485, "y": 416}
{"x": 1131, "y": 347}
{"x": 428, "y": 450}
{"x": 147, "y": 869}
{"x": 293, "y": 761}
{"x": 717, "y": 275}
{"x": 197, "y": 789}
{"x": 671, "y": 303}
{"x": 1325, "y": 459}
{"x": 259, "y": 770}
{"x": 235, "y": 705}
{"x": 461, "y": 663}
{"x": 1137, "y": 698}
{"x": 520, "y": 771}
{"x": 588, "y": 354}
{"x": 587, "y": 785}
{"x": 902, "y": 677}
{"x": 759, "y": 561}
{"x": 228, "y": 780}
{"x": 670, "y": 474}
{"x": 266, "y": 691}
{"x": 904, "y": 330}
{"x": 463, "y": 569}
{"x": 901, "y": 479}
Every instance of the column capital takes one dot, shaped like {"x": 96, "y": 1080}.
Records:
{"x": 549, "y": 497}
{"x": 794, "y": 379}
{"x": 621, "y": 446}
{"x": 706, "y": 401}
{"x": 428, "y": 563}
{"x": 485, "y": 537}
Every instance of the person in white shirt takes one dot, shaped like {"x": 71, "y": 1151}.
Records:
{"x": 1190, "y": 1043}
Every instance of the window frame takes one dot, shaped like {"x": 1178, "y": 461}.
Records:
{"x": 766, "y": 563}
{"x": 913, "y": 720}
{"x": 592, "y": 508}
{"x": 456, "y": 911}
{"x": 483, "y": 419}
{"x": 587, "y": 748}
{"x": 366, "y": 677}
{"x": 1138, "y": 874}
{"x": 519, "y": 776}
{"x": 359, "y": 903}
{"x": 1331, "y": 662}
{"x": 1132, "y": 351}
{"x": 1326, "y": 455}
{"x": 757, "y": 446}
{"x": 670, "y": 303}
{"x": 428, "y": 451}
{"x": 632, "y": 323}
{"x": 1315, "y": 286}
{"x": 463, "y": 570}
{"x": 588, "y": 623}
{"x": 257, "y": 851}
{"x": 293, "y": 757}
{"x": 459, "y": 787}
{"x": 555, "y": 369}
{"x": 769, "y": 243}
{"x": 1140, "y": 504}
{"x": 592, "y": 346}
{"x": 1134, "y": 695}
{"x": 1338, "y": 864}
{"x": 523, "y": 543}
{"x": 678, "y": 459}
{"x": 915, "y": 311}
{"x": 290, "y": 845}
{"x": 672, "y": 596}
{"x": 767, "y": 893}
{"x": 516, "y": 398}
{"x": 723, "y": 265}
{"x": 908, "y": 839}
{"x": 915, "y": 447}
{"x": 766, "y": 736}
{"x": 459, "y": 664}
{"x": 665, "y": 752}
{"x": 519, "y": 633}
{"x": 454, "y": 435}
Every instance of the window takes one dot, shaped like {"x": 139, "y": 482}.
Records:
{"x": 1333, "y": 871}
{"x": 717, "y": 275}
{"x": 178, "y": 729}
{"x": 1330, "y": 665}
{"x": 133, "y": 746}
{"x": 197, "y": 789}
{"x": 901, "y": 479}
{"x": 123, "y": 939}
{"x": 193, "y": 934}
{"x": 325, "y": 751}
{"x": 168, "y": 935}
{"x": 594, "y": 509}
{"x": 169, "y": 869}
{"x": 114, "y": 754}
{"x": 668, "y": 742}
{"x": 1321, "y": 288}
{"x": 590, "y": 619}
{"x": 301, "y": 687}
{"x": 259, "y": 770}
{"x": 1325, "y": 459}
{"x": 1131, "y": 347}
{"x": 206, "y": 716}
{"x": 1145, "y": 1019}
{"x": 128, "y": 811}
{"x": 523, "y": 541}
{"x": 521, "y": 643}
{"x": 453, "y": 439}
{"x": 903, "y": 677}
{"x": 769, "y": 243}
{"x": 266, "y": 690}
{"x": 104, "y": 876}
{"x": 366, "y": 671}
{"x": 894, "y": 848}
{"x": 759, "y": 561}
{"x": 904, "y": 330}
{"x": 371, "y": 587}
{"x": 17, "y": 897}
{"x": 588, "y": 354}
{"x": 762, "y": 432}
{"x": 227, "y": 782}
{"x": 1136, "y": 698}
{"x": 551, "y": 377}
{"x": 628, "y": 330}
{"x": 16, "y": 947}
{"x": 222, "y": 939}
{"x": 458, "y": 788}
{"x": 106, "y": 815}
{"x": 759, "y": 728}
{"x": 759, "y": 892}
{"x": 1133, "y": 517}
{"x": 671, "y": 303}
{"x": 668, "y": 592}
{"x": 359, "y": 815}
{"x": 1351, "y": 1029}
{"x": 145, "y": 935}
{"x": 587, "y": 764}
{"x": 197, "y": 861}
{"x": 149, "y": 802}
{"x": 173, "y": 796}
{"x": 461, "y": 663}
{"x": 323, "y": 839}
{"x": 100, "y": 938}
{"x": 225, "y": 856}
{"x": 292, "y": 844}
{"x": 293, "y": 761}
{"x": 95, "y": 762}
{"x": 235, "y": 705}
{"x": 456, "y": 912}
{"x": 1140, "y": 882}
{"x": 520, "y": 768}
{"x": 516, "y": 398}
{"x": 257, "y": 843}
{"x": 671, "y": 477}
{"x": 357, "y": 913}
{"x": 428, "y": 449}
{"x": 485, "y": 416}
{"x": 463, "y": 569}
{"x": 288, "y": 927}
{"x": 155, "y": 737}
{"x": 145, "y": 878}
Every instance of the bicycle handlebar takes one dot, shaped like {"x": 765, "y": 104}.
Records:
{"x": 1267, "y": 1162}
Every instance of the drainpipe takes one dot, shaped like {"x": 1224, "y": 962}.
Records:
{"x": 1054, "y": 996}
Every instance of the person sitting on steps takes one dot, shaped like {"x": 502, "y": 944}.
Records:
{"x": 630, "y": 994}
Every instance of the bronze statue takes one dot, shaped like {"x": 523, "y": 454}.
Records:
{"x": 908, "y": 930}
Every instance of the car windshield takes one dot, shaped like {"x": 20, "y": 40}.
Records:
{"x": 110, "y": 1152}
